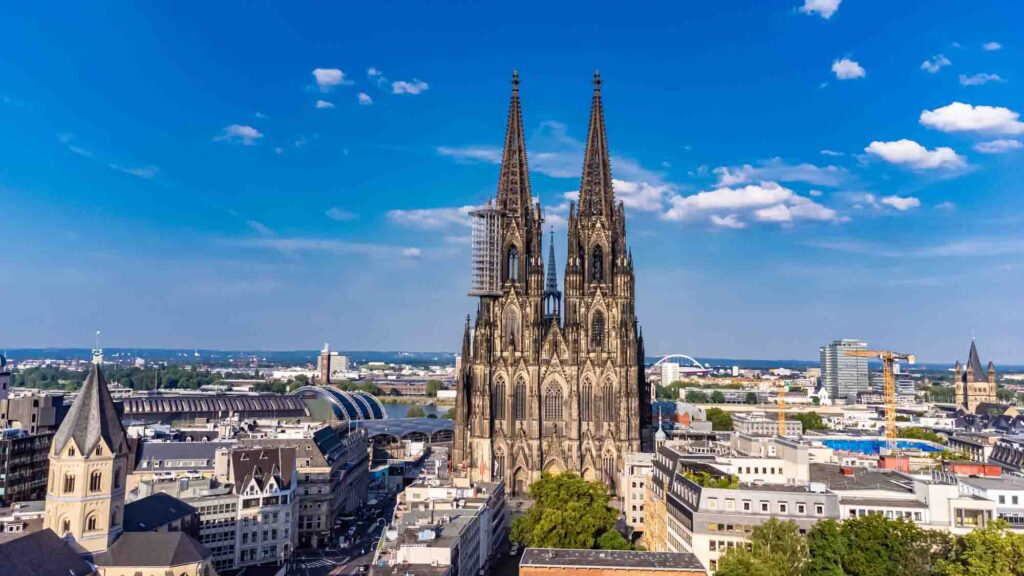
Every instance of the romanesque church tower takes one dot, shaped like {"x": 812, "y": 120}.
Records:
{"x": 548, "y": 384}
{"x": 974, "y": 385}
{"x": 88, "y": 466}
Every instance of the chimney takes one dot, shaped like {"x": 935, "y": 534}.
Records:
{"x": 847, "y": 471}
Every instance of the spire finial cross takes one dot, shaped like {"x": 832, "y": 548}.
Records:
{"x": 597, "y": 81}
{"x": 515, "y": 80}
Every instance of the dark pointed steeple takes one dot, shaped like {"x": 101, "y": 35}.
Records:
{"x": 551, "y": 282}
{"x": 596, "y": 195}
{"x": 974, "y": 364}
{"x": 92, "y": 417}
{"x": 514, "y": 182}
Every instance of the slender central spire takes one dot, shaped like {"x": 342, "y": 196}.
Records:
{"x": 514, "y": 182}
{"x": 596, "y": 195}
{"x": 551, "y": 282}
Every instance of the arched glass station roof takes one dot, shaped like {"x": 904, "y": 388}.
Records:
{"x": 347, "y": 405}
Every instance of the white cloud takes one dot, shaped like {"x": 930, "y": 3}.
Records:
{"x": 260, "y": 115}
{"x": 998, "y": 146}
{"x": 901, "y": 203}
{"x": 364, "y": 99}
{"x": 431, "y": 218}
{"x": 411, "y": 252}
{"x": 960, "y": 117}
{"x": 728, "y": 221}
{"x": 947, "y": 205}
{"x": 471, "y": 154}
{"x": 324, "y": 104}
{"x": 240, "y": 134}
{"x": 979, "y": 79}
{"x": 912, "y": 155}
{"x": 413, "y": 87}
{"x": 377, "y": 76}
{"x": 765, "y": 202}
{"x": 260, "y": 228}
{"x": 991, "y": 46}
{"x": 814, "y": 193}
{"x": 340, "y": 214}
{"x": 328, "y": 78}
{"x": 824, "y": 8}
{"x": 141, "y": 171}
{"x": 827, "y": 152}
{"x": 776, "y": 169}
{"x": 641, "y": 196}
{"x": 935, "y": 63}
{"x": 846, "y": 69}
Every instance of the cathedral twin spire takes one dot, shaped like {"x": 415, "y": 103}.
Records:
{"x": 596, "y": 195}
{"x": 514, "y": 182}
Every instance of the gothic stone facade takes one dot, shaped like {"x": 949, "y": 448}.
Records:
{"x": 542, "y": 389}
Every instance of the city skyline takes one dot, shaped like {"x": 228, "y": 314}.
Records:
{"x": 270, "y": 179}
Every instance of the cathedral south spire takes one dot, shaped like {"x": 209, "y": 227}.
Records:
{"x": 596, "y": 195}
{"x": 514, "y": 182}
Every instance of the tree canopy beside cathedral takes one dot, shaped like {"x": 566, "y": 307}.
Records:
{"x": 568, "y": 512}
{"x": 875, "y": 546}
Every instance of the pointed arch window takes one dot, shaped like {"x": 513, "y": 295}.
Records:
{"x": 510, "y": 324}
{"x": 114, "y": 516}
{"x": 597, "y": 264}
{"x": 95, "y": 481}
{"x": 69, "y": 483}
{"x": 608, "y": 402}
{"x": 499, "y": 464}
{"x": 587, "y": 401}
{"x": 608, "y": 465}
{"x": 65, "y": 526}
{"x": 597, "y": 330}
{"x": 498, "y": 400}
{"x": 512, "y": 264}
{"x": 90, "y": 523}
{"x": 553, "y": 402}
{"x": 519, "y": 401}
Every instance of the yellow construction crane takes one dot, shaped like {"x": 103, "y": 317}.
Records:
{"x": 889, "y": 390}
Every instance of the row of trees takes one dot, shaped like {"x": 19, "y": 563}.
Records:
{"x": 875, "y": 546}
{"x": 568, "y": 512}
{"x": 139, "y": 378}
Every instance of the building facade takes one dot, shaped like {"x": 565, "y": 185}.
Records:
{"x": 844, "y": 376}
{"x": 265, "y": 482}
{"x": 974, "y": 385}
{"x": 549, "y": 385}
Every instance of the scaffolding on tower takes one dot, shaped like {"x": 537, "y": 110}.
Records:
{"x": 486, "y": 246}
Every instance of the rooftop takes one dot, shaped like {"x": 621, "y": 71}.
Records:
{"x": 578, "y": 558}
{"x": 990, "y": 483}
{"x": 153, "y": 549}
{"x": 41, "y": 553}
{"x": 860, "y": 479}
{"x": 154, "y": 511}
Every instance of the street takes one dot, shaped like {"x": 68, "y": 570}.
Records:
{"x": 361, "y": 533}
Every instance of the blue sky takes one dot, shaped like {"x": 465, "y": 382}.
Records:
{"x": 254, "y": 176}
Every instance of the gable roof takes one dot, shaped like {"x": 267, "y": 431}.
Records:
{"x": 262, "y": 465}
{"x": 153, "y": 549}
{"x": 41, "y": 553}
{"x": 93, "y": 417}
{"x": 154, "y": 511}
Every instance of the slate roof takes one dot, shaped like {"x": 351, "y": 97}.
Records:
{"x": 154, "y": 511}
{"x": 153, "y": 550}
{"x": 165, "y": 451}
{"x": 92, "y": 417}
{"x": 263, "y": 464}
{"x": 41, "y": 553}
{"x": 600, "y": 559}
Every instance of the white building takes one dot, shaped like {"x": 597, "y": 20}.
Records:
{"x": 636, "y": 472}
{"x": 844, "y": 375}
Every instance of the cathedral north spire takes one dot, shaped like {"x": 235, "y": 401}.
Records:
{"x": 596, "y": 195}
{"x": 514, "y": 182}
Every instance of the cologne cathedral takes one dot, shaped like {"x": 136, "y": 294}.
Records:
{"x": 546, "y": 383}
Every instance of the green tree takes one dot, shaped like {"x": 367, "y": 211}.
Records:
{"x": 696, "y": 397}
{"x": 433, "y": 386}
{"x": 720, "y": 419}
{"x": 877, "y": 546}
{"x": 810, "y": 420}
{"x": 827, "y": 546}
{"x": 612, "y": 539}
{"x": 917, "y": 433}
{"x": 776, "y": 549}
{"x": 751, "y": 398}
{"x": 717, "y": 397}
{"x": 989, "y": 551}
{"x": 567, "y": 512}
{"x": 415, "y": 411}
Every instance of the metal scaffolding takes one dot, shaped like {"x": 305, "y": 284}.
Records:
{"x": 486, "y": 251}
